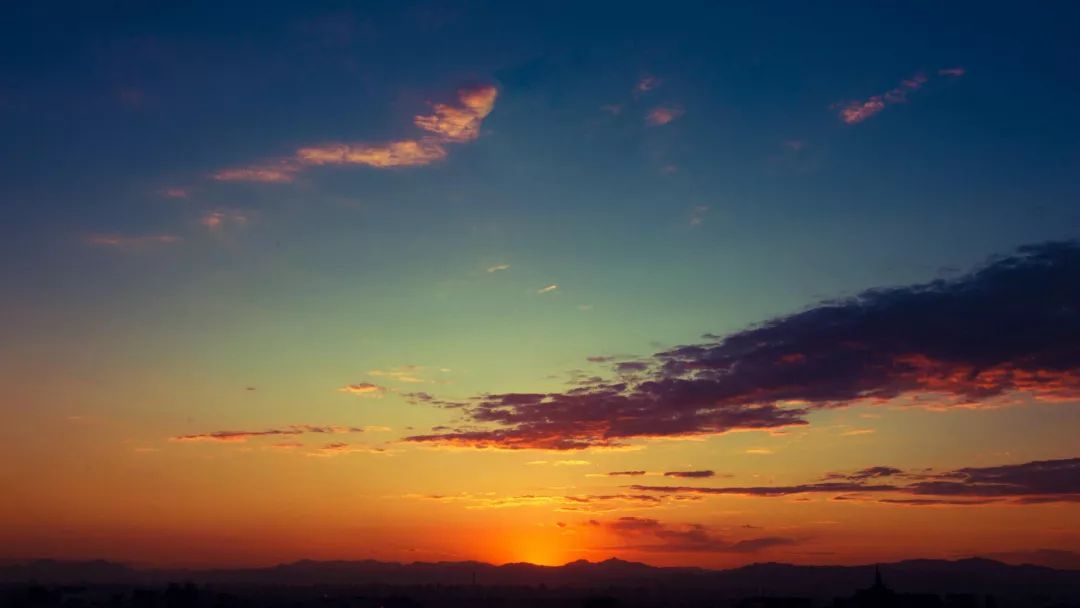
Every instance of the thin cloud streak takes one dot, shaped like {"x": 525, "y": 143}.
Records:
{"x": 450, "y": 123}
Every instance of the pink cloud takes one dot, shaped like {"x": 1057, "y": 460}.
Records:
{"x": 217, "y": 220}
{"x": 855, "y": 112}
{"x": 954, "y": 72}
{"x": 174, "y": 192}
{"x": 663, "y": 115}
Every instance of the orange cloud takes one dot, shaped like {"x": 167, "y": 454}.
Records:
{"x": 274, "y": 174}
{"x": 450, "y": 123}
{"x": 405, "y": 153}
{"x": 363, "y": 389}
{"x": 460, "y": 123}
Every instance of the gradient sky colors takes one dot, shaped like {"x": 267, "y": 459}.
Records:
{"x": 684, "y": 284}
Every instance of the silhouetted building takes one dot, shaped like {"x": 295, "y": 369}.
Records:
{"x": 881, "y": 596}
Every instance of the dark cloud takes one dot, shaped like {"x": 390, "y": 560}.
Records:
{"x": 1012, "y": 326}
{"x": 1028, "y": 483}
{"x": 626, "y": 473}
{"x": 690, "y": 474}
{"x": 868, "y": 473}
{"x": 646, "y": 534}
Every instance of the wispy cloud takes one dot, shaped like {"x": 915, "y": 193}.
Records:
{"x": 363, "y": 389}
{"x": 243, "y": 436}
{"x": 119, "y": 241}
{"x": 854, "y": 112}
{"x": 647, "y": 83}
{"x": 691, "y": 474}
{"x": 223, "y": 218}
{"x": 1027, "y": 483}
{"x": 697, "y": 215}
{"x": 548, "y": 289}
{"x": 404, "y": 153}
{"x": 645, "y": 534}
{"x": 663, "y": 115}
{"x": 341, "y": 448}
{"x": 276, "y": 173}
{"x": 450, "y": 123}
{"x": 498, "y": 268}
{"x": 175, "y": 192}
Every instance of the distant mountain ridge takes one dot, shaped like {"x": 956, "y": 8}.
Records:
{"x": 973, "y": 575}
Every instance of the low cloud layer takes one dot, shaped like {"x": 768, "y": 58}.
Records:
{"x": 645, "y": 534}
{"x": 1010, "y": 328}
{"x": 1027, "y": 483}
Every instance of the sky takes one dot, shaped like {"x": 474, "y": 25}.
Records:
{"x": 688, "y": 284}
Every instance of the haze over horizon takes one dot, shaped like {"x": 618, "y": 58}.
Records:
{"x": 682, "y": 284}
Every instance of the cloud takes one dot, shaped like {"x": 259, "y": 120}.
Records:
{"x": 857, "y": 111}
{"x": 498, "y": 268}
{"x": 405, "y": 153}
{"x": 1008, "y": 328}
{"x": 561, "y": 463}
{"x": 119, "y": 241}
{"x": 221, "y": 219}
{"x": 651, "y": 535}
{"x": 243, "y": 436}
{"x": 363, "y": 389}
{"x": 867, "y": 473}
{"x": 548, "y": 289}
{"x": 663, "y": 115}
{"x": 450, "y": 123}
{"x": 690, "y": 474}
{"x": 460, "y": 123}
{"x": 697, "y": 215}
{"x": 409, "y": 374}
{"x": 954, "y": 72}
{"x": 281, "y": 172}
{"x": 601, "y": 503}
{"x": 647, "y": 83}
{"x": 340, "y": 448}
{"x": 175, "y": 192}
{"x": 626, "y": 473}
{"x": 1027, "y": 483}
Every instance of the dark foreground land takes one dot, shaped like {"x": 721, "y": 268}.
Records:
{"x": 973, "y": 583}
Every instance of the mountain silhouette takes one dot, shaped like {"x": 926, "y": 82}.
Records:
{"x": 973, "y": 575}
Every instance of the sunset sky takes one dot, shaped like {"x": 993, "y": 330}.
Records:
{"x": 682, "y": 283}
